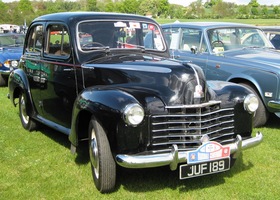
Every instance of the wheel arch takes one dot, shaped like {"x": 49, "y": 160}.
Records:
{"x": 18, "y": 84}
{"x": 252, "y": 83}
{"x": 94, "y": 103}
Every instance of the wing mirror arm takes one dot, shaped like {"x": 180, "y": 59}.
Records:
{"x": 194, "y": 49}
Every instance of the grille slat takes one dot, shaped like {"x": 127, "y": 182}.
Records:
{"x": 185, "y": 125}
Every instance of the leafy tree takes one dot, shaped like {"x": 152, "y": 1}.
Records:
{"x": 196, "y": 10}
{"x": 129, "y": 6}
{"x": 163, "y": 7}
{"x": 276, "y": 10}
{"x": 254, "y": 11}
{"x": 25, "y": 7}
{"x": 254, "y": 3}
{"x": 4, "y": 18}
{"x": 214, "y": 2}
{"x": 264, "y": 10}
{"x": 26, "y": 10}
{"x": 223, "y": 9}
{"x": 176, "y": 11}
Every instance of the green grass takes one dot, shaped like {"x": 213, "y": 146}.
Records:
{"x": 39, "y": 165}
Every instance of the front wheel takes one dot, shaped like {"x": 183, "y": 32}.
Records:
{"x": 261, "y": 116}
{"x": 3, "y": 81}
{"x": 27, "y": 122}
{"x": 102, "y": 163}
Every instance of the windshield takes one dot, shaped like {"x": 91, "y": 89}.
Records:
{"x": 11, "y": 40}
{"x": 92, "y": 35}
{"x": 224, "y": 39}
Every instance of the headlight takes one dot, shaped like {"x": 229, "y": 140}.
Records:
{"x": 11, "y": 63}
{"x": 133, "y": 114}
{"x": 14, "y": 63}
{"x": 251, "y": 103}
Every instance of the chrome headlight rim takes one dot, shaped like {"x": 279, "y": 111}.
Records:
{"x": 133, "y": 114}
{"x": 14, "y": 63}
{"x": 251, "y": 103}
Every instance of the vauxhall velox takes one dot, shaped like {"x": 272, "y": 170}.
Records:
{"x": 107, "y": 78}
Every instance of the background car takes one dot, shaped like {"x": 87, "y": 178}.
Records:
{"x": 273, "y": 34}
{"x": 231, "y": 52}
{"x": 11, "y": 47}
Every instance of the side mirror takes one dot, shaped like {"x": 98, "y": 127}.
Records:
{"x": 194, "y": 49}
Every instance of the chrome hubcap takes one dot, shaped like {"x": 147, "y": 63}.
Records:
{"x": 94, "y": 159}
{"x": 24, "y": 115}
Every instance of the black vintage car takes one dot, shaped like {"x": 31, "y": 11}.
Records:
{"x": 106, "y": 77}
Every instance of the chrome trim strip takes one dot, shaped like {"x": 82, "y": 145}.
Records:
{"x": 175, "y": 157}
{"x": 202, "y": 105}
{"x": 274, "y": 104}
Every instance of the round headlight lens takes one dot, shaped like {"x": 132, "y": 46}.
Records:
{"x": 133, "y": 114}
{"x": 14, "y": 63}
{"x": 251, "y": 103}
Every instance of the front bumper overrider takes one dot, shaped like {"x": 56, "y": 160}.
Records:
{"x": 175, "y": 157}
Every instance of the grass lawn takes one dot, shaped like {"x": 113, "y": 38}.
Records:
{"x": 39, "y": 165}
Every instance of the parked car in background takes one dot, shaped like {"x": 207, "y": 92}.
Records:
{"x": 273, "y": 34}
{"x": 11, "y": 48}
{"x": 107, "y": 78}
{"x": 231, "y": 52}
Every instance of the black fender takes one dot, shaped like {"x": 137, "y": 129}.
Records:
{"x": 227, "y": 92}
{"x": 233, "y": 95}
{"x": 18, "y": 83}
{"x": 105, "y": 104}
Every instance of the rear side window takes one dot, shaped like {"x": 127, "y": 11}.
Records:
{"x": 35, "y": 40}
{"x": 57, "y": 40}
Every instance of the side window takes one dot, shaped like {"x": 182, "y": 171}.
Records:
{"x": 191, "y": 38}
{"x": 35, "y": 40}
{"x": 57, "y": 41}
{"x": 172, "y": 37}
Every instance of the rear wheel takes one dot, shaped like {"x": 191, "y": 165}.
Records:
{"x": 27, "y": 122}
{"x": 102, "y": 163}
{"x": 261, "y": 116}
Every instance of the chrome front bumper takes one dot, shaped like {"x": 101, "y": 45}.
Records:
{"x": 175, "y": 157}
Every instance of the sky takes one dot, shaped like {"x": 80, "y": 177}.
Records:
{"x": 239, "y": 2}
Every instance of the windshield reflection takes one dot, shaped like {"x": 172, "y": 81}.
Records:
{"x": 232, "y": 38}
{"x": 93, "y": 35}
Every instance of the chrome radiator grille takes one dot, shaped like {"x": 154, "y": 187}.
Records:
{"x": 185, "y": 125}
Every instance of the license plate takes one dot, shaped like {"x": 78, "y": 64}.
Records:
{"x": 201, "y": 169}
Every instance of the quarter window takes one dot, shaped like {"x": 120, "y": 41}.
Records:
{"x": 35, "y": 40}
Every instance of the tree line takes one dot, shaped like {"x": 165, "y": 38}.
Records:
{"x": 24, "y": 11}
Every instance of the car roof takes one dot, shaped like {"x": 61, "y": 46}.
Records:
{"x": 74, "y": 17}
{"x": 270, "y": 28}
{"x": 208, "y": 25}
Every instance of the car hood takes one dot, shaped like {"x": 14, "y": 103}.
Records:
{"x": 174, "y": 82}
{"x": 10, "y": 53}
{"x": 255, "y": 57}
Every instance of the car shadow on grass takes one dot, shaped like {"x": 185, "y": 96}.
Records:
{"x": 150, "y": 179}
{"x": 82, "y": 155}
{"x": 273, "y": 122}
{"x": 153, "y": 179}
